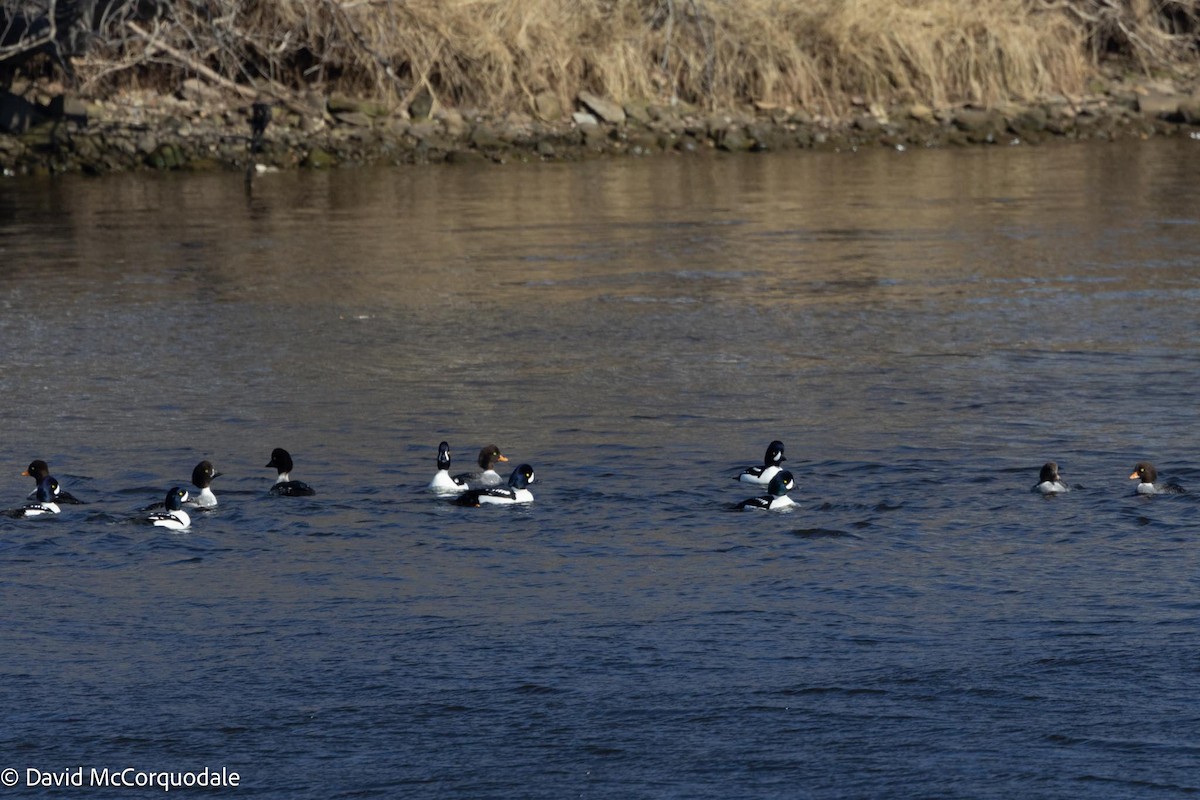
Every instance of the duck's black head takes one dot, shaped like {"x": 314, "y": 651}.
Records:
{"x": 781, "y": 484}
{"x": 37, "y": 470}
{"x": 280, "y": 459}
{"x": 774, "y": 455}
{"x": 521, "y": 477}
{"x": 175, "y": 499}
{"x": 47, "y": 490}
{"x": 443, "y": 460}
{"x": 1049, "y": 472}
{"x": 203, "y": 474}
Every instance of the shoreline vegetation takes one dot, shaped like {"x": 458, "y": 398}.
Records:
{"x": 99, "y": 86}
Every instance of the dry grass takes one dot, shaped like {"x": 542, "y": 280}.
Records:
{"x": 496, "y": 55}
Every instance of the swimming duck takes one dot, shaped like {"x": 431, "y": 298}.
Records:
{"x": 174, "y": 517}
{"x": 281, "y": 460}
{"x": 516, "y": 492}
{"x": 1049, "y": 481}
{"x": 776, "y": 499}
{"x": 1147, "y": 477}
{"x": 38, "y": 470}
{"x": 442, "y": 482}
{"x": 202, "y": 478}
{"x": 761, "y": 476}
{"x": 44, "y": 503}
{"x": 487, "y": 475}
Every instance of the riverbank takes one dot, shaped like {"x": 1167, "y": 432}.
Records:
{"x": 126, "y": 87}
{"x": 201, "y": 127}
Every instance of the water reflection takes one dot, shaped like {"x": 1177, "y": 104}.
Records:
{"x": 810, "y": 228}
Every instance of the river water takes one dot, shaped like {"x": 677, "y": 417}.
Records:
{"x": 921, "y": 329}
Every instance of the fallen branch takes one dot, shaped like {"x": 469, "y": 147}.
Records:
{"x": 153, "y": 45}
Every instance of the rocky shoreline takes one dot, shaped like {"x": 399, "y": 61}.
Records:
{"x": 45, "y": 131}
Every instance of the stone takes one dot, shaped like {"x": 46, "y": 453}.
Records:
{"x": 1029, "y": 122}
{"x": 318, "y": 159}
{"x": 594, "y": 136}
{"x": 644, "y": 142}
{"x": 606, "y": 110}
{"x": 165, "y": 156}
{"x": 661, "y": 113}
{"x": 69, "y": 108}
{"x": 453, "y": 122}
{"x": 921, "y": 112}
{"x": 585, "y": 120}
{"x": 1157, "y": 104}
{"x": 867, "y": 124}
{"x": 637, "y": 112}
{"x": 1189, "y": 110}
{"x": 464, "y": 157}
{"x": 356, "y": 119}
{"x": 547, "y": 106}
{"x": 979, "y": 125}
{"x": 801, "y": 117}
{"x": 340, "y": 103}
{"x": 422, "y": 104}
{"x": 733, "y": 140}
{"x": 483, "y": 137}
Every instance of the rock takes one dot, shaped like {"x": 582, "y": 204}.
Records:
{"x": 661, "y": 113}
{"x": 1029, "y": 123}
{"x": 165, "y": 156}
{"x": 921, "y": 113}
{"x": 453, "y": 122}
{"x": 340, "y": 103}
{"x": 1060, "y": 125}
{"x": 70, "y": 109}
{"x": 585, "y": 120}
{"x": 545, "y": 149}
{"x": 801, "y": 117}
{"x": 1156, "y": 104}
{"x": 733, "y": 139}
{"x": 1124, "y": 97}
{"x": 483, "y": 137}
{"x": 422, "y": 105}
{"x": 638, "y": 112}
{"x": 867, "y": 124}
{"x": 594, "y": 137}
{"x": 642, "y": 142}
{"x": 547, "y": 106}
{"x": 464, "y": 157}
{"x": 197, "y": 91}
{"x": 318, "y": 159}
{"x": 355, "y": 119}
{"x": 423, "y": 131}
{"x": 979, "y": 125}
{"x": 1189, "y": 110}
{"x": 606, "y": 110}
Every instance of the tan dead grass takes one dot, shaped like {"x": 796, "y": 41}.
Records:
{"x": 496, "y": 55}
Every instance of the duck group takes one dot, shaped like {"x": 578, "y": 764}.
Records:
{"x": 481, "y": 487}
{"x": 48, "y": 497}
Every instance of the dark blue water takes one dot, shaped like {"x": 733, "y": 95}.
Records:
{"x": 922, "y": 330}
